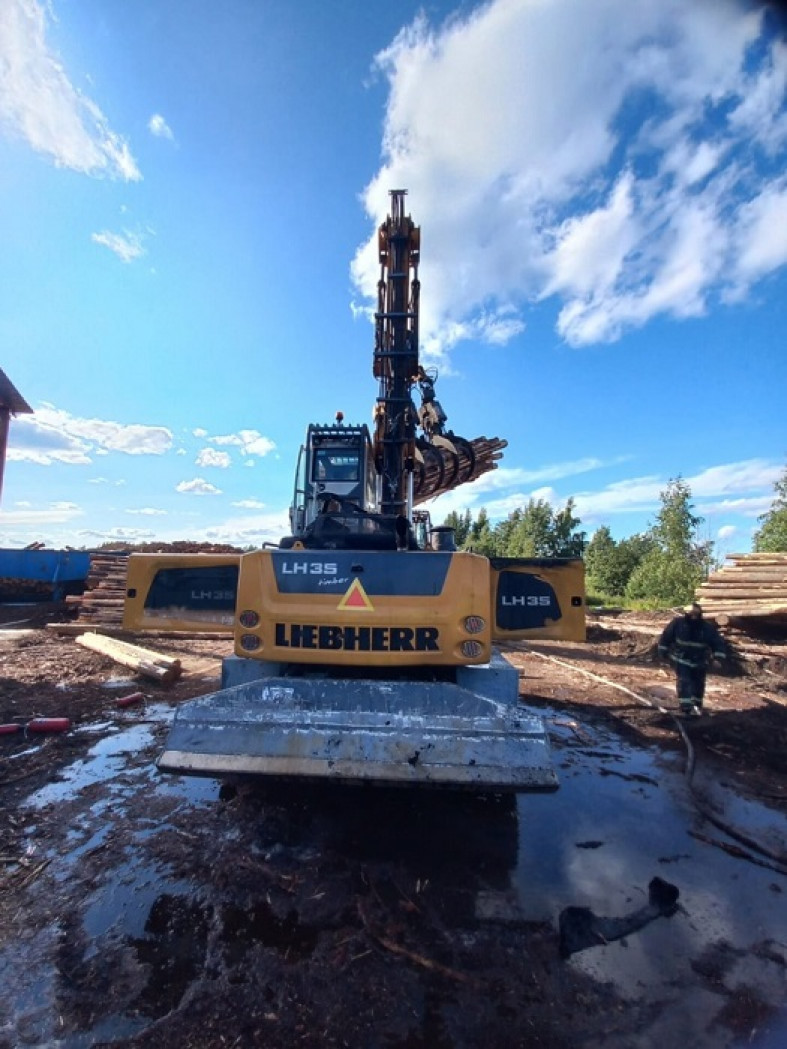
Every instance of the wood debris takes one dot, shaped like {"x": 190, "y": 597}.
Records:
{"x": 163, "y": 669}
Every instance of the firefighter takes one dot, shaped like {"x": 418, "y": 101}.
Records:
{"x": 690, "y": 643}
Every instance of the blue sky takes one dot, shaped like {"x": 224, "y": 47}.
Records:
{"x": 189, "y": 196}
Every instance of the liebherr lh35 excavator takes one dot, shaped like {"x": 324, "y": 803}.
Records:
{"x": 364, "y": 641}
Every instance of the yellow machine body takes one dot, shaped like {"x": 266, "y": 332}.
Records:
{"x": 359, "y": 609}
{"x": 377, "y": 608}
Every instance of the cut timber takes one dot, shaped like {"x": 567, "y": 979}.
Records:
{"x": 752, "y": 586}
{"x": 150, "y": 664}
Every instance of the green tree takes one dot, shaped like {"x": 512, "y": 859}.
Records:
{"x": 566, "y": 540}
{"x": 537, "y": 530}
{"x": 481, "y": 539}
{"x": 461, "y": 524}
{"x": 609, "y": 564}
{"x": 672, "y": 570}
{"x": 504, "y": 532}
{"x": 628, "y": 555}
{"x": 600, "y": 562}
{"x": 530, "y": 534}
{"x": 772, "y": 536}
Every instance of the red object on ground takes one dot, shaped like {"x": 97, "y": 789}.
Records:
{"x": 10, "y": 728}
{"x": 49, "y": 725}
{"x": 127, "y": 701}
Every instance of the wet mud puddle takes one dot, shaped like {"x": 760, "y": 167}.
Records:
{"x": 165, "y": 902}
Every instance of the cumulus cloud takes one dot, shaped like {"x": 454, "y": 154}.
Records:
{"x": 32, "y": 441}
{"x": 158, "y": 127}
{"x": 250, "y": 442}
{"x": 148, "y": 511}
{"x": 199, "y": 486}
{"x": 40, "y": 104}
{"x": 127, "y": 246}
{"x": 249, "y": 504}
{"x": 623, "y": 159}
{"x": 53, "y": 435}
{"x": 210, "y": 457}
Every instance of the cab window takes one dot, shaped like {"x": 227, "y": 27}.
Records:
{"x": 333, "y": 465}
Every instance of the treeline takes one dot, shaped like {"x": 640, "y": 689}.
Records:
{"x": 659, "y": 568}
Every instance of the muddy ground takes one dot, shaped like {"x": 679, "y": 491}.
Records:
{"x": 144, "y": 910}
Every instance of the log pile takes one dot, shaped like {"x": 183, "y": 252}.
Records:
{"x": 750, "y": 586}
{"x": 452, "y": 461}
{"x": 101, "y": 605}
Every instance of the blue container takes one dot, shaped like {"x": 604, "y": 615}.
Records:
{"x": 41, "y": 575}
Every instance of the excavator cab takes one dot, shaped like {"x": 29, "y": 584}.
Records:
{"x": 337, "y": 494}
{"x": 335, "y": 470}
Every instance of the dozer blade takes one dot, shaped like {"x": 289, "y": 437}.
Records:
{"x": 425, "y": 733}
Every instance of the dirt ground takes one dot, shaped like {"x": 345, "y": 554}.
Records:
{"x": 199, "y": 915}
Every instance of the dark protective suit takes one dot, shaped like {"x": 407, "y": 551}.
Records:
{"x": 689, "y": 642}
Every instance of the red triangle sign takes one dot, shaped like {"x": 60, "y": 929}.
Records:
{"x": 356, "y": 598}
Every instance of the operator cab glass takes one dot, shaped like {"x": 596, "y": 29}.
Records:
{"x": 331, "y": 464}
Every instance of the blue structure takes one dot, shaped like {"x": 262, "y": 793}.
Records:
{"x": 35, "y": 575}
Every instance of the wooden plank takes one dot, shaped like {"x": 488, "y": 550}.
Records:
{"x": 151, "y": 664}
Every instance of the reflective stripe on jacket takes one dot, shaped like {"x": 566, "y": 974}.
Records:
{"x": 691, "y": 642}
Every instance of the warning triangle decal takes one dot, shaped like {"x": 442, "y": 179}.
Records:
{"x": 356, "y": 598}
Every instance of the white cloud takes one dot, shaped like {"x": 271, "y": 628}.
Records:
{"x": 198, "y": 486}
{"x": 32, "y": 440}
{"x": 210, "y": 457}
{"x": 762, "y": 227}
{"x": 249, "y": 504}
{"x": 148, "y": 511}
{"x": 750, "y": 475}
{"x": 618, "y": 156}
{"x": 250, "y": 442}
{"x": 742, "y": 488}
{"x": 127, "y": 246}
{"x": 53, "y": 435}
{"x": 158, "y": 127}
{"x": 249, "y": 530}
{"x": 57, "y": 514}
{"x": 40, "y": 104}
{"x": 741, "y": 479}
{"x": 127, "y": 535}
{"x": 726, "y": 532}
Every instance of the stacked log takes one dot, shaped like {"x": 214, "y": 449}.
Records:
{"x": 451, "y": 461}
{"x": 749, "y": 586}
{"x": 101, "y": 605}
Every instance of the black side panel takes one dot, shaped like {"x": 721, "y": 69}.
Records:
{"x": 524, "y": 601}
{"x": 212, "y": 588}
